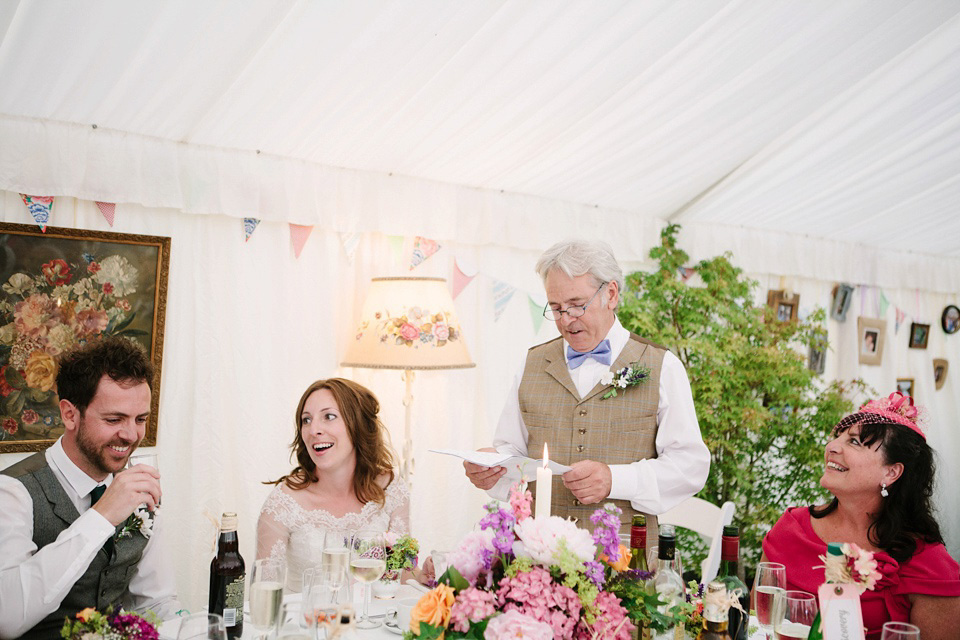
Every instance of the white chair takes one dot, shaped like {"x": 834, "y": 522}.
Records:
{"x": 706, "y": 519}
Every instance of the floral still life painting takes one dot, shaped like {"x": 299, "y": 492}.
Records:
{"x": 60, "y": 290}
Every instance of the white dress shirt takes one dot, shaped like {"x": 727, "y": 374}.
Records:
{"x": 654, "y": 485}
{"x": 34, "y": 582}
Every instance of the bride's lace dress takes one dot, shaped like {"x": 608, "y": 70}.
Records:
{"x": 287, "y": 531}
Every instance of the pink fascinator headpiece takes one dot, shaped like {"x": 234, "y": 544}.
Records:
{"x": 898, "y": 408}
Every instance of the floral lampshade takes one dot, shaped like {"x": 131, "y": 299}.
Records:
{"x": 408, "y": 323}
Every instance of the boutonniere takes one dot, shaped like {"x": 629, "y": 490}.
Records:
{"x": 140, "y": 521}
{"x": 630, "y": 376}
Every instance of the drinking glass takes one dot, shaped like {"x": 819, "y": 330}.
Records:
{"x": 150, "y": 459}
{"x": 317, "y": 600}
{"x": 202, "y": 626}
{"x": 771, "y": 579}
{"x": 368, "y": 561}
{"x": 900, "y": 631}
{"x": 794, "y": 613}
{"x": 266, "y": 594}
{"x": 293, "y": 625}
{"x": 335, "y": 560}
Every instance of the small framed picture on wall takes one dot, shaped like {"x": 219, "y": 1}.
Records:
{"x": 842, "y": 295}
{"x": 784, "y": 307}
{"x": 905, "y": 386}
{"x": 871, "y": 332}
{"x": 919, "y": 333}
{"x": 950, "y": 320}
{"x": 940, "y": 366}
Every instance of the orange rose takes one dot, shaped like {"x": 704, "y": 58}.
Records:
{"x": 41, "y": 371}
{"x": 433, "y": 608}
{"x": 623, "y": 559}
{"x": 85, "y": 614}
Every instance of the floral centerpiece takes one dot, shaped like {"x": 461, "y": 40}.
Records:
{"x": 517, "y": 576}
{"x": 90, "y": 624}
{"x": 402, "y": 551}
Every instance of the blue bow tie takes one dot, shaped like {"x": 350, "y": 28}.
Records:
{"x": 600, "y": 353}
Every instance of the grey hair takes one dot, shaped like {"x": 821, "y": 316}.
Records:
{"x": 582, "y": 257}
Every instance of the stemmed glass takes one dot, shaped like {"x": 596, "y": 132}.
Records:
{"x": 202, "y": 626}
{"x": 318, "y": 606}
{"x": 266, "y": 594}
{"x": 900, "y": 631}
{"x": 292, "y": 626}
{"x": 794, "y": 614}
{"x": 771, "y": 579}
{"x": 368, "y": 561}
{"x": 334, "y": 561}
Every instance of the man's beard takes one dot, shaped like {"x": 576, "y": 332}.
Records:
{"x": 94, "y": 453}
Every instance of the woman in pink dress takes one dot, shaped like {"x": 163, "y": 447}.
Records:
{"x": 881, "y": 472}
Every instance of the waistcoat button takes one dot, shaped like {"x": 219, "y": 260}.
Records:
{"x": 579, "y": 447}
{"x": 583, "y": 412}
{"x": 582, "y": 431}
{"x": 576, "y": 503}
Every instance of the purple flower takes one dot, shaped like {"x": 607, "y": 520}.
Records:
{"x": 594, "y": 571}
{"x": 501, "y": 522}
{"x": 607, "y": 529}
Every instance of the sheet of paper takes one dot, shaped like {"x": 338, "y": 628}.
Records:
{"x": 513, "y": 464}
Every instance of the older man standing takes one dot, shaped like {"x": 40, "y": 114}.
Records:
{"x": 69, "y": 532}
{"x": 641, "y": 449}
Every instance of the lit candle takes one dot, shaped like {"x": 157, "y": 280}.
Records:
{"x": 544, "y": 487}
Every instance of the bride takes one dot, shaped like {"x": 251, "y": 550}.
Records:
{"x": 343, "y": 481}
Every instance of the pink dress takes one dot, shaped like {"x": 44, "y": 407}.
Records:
{"x": 931, "y": 571}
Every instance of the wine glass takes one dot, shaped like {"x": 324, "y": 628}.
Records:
{"x": 771, "y": 579}
{"x": 266, "y": 594}
{"x": 202, "y": 626}
{"x": 794, "y": 614}
{"x": 334, "y": 561}
{"x": 900, "y": 631}
{"x": 294, "y": 626}
{"x": 318, "y": 606}
{"x": 368, "y": 561}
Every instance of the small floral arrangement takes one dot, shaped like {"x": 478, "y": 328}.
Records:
{"x": 90, "y": 624}
{"x": 518, "y": 576}
{"x": 140, "y": 521}
{"x": 402, "y": 551}
{"x": 856, "y": 566}
{"x": 630, "y": 376}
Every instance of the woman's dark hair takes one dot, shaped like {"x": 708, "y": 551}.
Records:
{"x": 358, "y": 410}
{"x": 906, "y": 514}
{"x": 81, "y": 370}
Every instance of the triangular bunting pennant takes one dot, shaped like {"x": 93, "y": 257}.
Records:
{"x": 39, "y": 207}
{"x": 536, "y": 314}
{"x": 107, "y": 209}
{"x": 901, "y": 316}
{"x": 884, "y": 304}
{"x": 350, "y": 243}
{"x": 686, "y": 273}
{"x": 460, "y": 279}
{"x": 502, "y": 292}
{"x": 249, "y": 226}
{"x": 423, "y": 248}
{"x": 298, "y": 235}
{"x": 396, "y": 245}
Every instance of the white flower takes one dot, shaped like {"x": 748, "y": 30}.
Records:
{"x": 8, "y": 333}
{"x": 540, "y": 540}
{"x": 622, "y": 383}
{"x": 118, "y": 272}
{"x": 19, "y": 284}
{"x": 606, "y": 378}
{"x": 61, "y": 338}
{"x": 146, "y": 520}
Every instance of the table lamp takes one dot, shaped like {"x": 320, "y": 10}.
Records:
{"x": 408, "y": 324}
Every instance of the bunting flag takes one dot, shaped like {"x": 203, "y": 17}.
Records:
{"x": 298, "y": 235}
{"x": 884, "y": 305}
{"x": 249, "y": 226}
{"x": 536, "y": 313}
{"x": 460, "y": 279}
{"x": 502, "y": 292}
{"x": 901, "y": 316}
{"x": 107, "y": 209}
{"x": 686, "y": 272}
{"x": 39, "y": 207}
{"x": 350, "y": 243}
{"x": 423, "y": 248}
{"x": 396, "y": 246}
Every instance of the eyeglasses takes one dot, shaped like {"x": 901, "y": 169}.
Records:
{"x": 573, "y": 312}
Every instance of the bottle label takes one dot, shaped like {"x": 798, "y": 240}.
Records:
{"x": 638, "y": 537}
{"x": 234, "y": 600}
{"x": 730, "y": 549}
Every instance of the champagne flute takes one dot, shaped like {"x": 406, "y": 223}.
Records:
{"x": 202, "y": 626}
{"x": 266, "y": 594}
{"x": 335, "y": 560}
{"x": 771, "y": 579}
{"x": 368, "y": 561}
{"x": 794, "y": 615}
{"x": 900, "y": 631}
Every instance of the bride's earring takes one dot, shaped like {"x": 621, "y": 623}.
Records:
{"x": 883, "y": 489}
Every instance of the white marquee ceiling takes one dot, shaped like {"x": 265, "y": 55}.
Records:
{"x": 825, "y": 118}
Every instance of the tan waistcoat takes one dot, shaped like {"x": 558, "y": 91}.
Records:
{"x": 617, "y": 430}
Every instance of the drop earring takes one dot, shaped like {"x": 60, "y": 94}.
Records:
{"x": 883, "y": 489}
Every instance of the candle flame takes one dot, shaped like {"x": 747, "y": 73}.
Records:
{"x": 546, "y": 458}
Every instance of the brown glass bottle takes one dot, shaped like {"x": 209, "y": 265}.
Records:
{"x": 227, "y": 577}
{"x": 729, "y": 576}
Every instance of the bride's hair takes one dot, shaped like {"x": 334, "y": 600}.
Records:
{"x": 358, "y": 409}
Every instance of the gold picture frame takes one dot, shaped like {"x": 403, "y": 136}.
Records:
{"x": 940, "y": 368}
{"x": 784, "y": 308}
{"x": 62, "y": 288}
{"x": 906, "y": 387}
{"x": 871, "y": 332}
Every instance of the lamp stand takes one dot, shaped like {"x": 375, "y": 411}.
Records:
{"x": 406, "y": 465}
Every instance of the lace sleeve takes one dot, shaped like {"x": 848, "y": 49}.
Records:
{"x": 398, "y": 506}
{"x": 272, "y": 530}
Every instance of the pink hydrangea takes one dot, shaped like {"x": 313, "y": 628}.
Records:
{"x": 514, "y": 624}
{"x": 611, "y": 620}
{"x": 471, "y": 605}
{"x": 535, "y": 594}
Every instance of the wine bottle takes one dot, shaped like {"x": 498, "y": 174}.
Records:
{"x": 227, "y": 577}
{"x": 834, "y": 554}
{"x": 668, "y": 583}
{"x": 729, "y": 576}
{"x": 638, "y": 543}
{"x": 715, "y": 613}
